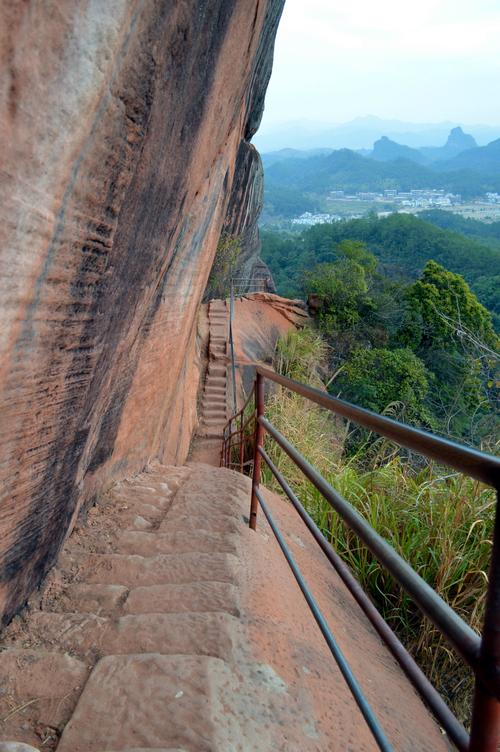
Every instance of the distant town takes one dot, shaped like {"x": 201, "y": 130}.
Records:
{"x": 354, "y": 206}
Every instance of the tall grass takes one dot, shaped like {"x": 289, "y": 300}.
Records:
{"x": 439, "y": 521}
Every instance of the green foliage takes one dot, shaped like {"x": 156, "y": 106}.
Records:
{"x": 402, "y": 243}
{"x": 442, "y": 307}
{"x": 441, "y": 523}
{"x": 453, "y": 335}
{"x": 301, "y": 354}
{"x": 380, "y": 378}
{"x": 226, "y": 256}
{"x": 341, "y": 290}
{"x": 286, "y": 202}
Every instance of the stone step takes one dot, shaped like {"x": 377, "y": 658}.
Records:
{"x": 101, "y": 600}
{"x": 212, "y": 412}
{"x": 55, "y": 679}
{"x": 217, "y": 370}
{"x": 213, "y": 523}
{"x": 192, "y": 597}
{"x": 158, "y": 702}
{"x": 149, "y": 544}
{"x": 215, "y": 400}
{"x": 219, "y": 382}
{"x": 206, "y": 432}
{"x": 131, "y": 570}
{"x": 215, "y": 394}
{"x": 218, "y": 339}
{"x": 214, "y": 423}
{"x": 177, "y": 633}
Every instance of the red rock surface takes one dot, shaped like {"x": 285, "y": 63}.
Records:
{"x": 260, "y": 319}
{"x": 120, "y": 123}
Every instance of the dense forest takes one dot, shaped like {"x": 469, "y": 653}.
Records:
{"x": 351, "y": 172}
{"x": 402, "y": 243}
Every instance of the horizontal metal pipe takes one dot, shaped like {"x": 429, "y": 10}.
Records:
{"x": 461, "y": 636}
{"x": 344, "y": 667}
{"x": 451, "y": 725}
{"x": 478, "y": 465}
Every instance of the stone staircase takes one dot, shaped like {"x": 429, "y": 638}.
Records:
{"x": 143, "y": 619}
{"x": 168, "y": 626}
{"x": 213, "y": 411}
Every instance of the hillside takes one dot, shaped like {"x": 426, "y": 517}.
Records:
{"x": 402, "y": 242}
{"x": 351, "y": 172}
{"x": 386, "y": 150}
{"x": 482, "y": 158}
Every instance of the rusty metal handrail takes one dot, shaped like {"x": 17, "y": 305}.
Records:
{"x": 481, "y": 653}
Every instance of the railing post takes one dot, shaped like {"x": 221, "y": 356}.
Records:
{"x": 485, "y": 728}
{"x": 257, "y": 459}
{"x": 242, "y": 445}
{"x": 223, "y": 448}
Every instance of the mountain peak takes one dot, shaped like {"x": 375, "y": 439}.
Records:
{"x": 458, "y": 140}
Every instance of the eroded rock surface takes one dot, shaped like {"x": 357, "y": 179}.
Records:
{"x": 121, "y": 122}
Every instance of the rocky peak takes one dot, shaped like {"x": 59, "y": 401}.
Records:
{"x": 459, "y": 141}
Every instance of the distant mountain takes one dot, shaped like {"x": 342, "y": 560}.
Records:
{"x": 457, "y": 142}
{"x": 272, "y": 157}
{"x": 482, "y": 158}
{"x": 361, "y": 133}
{"x": 345, "y": 170}
{"x": 386, "y": 150}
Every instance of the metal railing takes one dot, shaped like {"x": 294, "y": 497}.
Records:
{"x": 481, "y": 653}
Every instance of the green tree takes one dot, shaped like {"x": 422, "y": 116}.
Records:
{"x": 381, "y": 378}
{"x": 341, "y": 293}
{"x": 452, "y": 333}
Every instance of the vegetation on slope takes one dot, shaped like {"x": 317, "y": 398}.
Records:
{"x": 403, "y": 244}
{"x": 440, "y": 522}
{"x": 351, "y": 172}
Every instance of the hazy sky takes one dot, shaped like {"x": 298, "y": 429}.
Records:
{"x": 418, "y": 60}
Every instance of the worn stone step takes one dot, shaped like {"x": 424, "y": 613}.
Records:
{"x": 214, "y": 423}
{"x": 158, "y": 701}
{"x": 216, "y": 381}
{"x": 191, "y": 597}
{"x": 131, "y": 570}
{"x": 149, "y": 544}
{"x": 54, "y": 679}
{"x": 213, "y": 523}
{"x": 217, "y": 371}
{"x": 206, "y": 432}
{"x": 218, "y": 339}
{"x": 212, "y": 402}
{"x": 174, "y": 633}
{"x": 212, "y": 413}
{"x": 93, "y": 599}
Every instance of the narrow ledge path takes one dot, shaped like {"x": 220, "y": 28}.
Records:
{"x": 169, "y": 626}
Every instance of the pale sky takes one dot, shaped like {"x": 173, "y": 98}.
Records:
{"x": 415, "y": 60}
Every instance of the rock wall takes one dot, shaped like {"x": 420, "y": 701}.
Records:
{"x": 260, "y": 319}
{"x": 245, "y": 206}
{"x": 121, "y": 122}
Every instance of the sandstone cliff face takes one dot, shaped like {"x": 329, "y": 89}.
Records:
{"x": 121, "y": 122}
{"x": 245, "y": 206}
